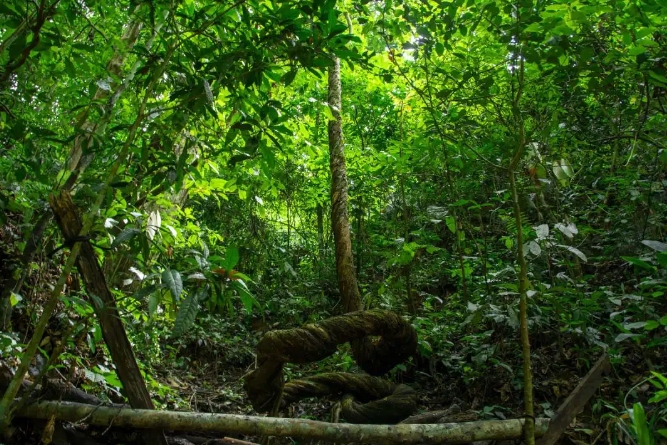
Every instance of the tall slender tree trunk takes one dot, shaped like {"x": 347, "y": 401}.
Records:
{"x": 529, "y": 426}
{"x": 407, "y": 269}
{"x": 319, "y": 208}
{"x": 320, "y": 232}
{"x": 347, "y": 278}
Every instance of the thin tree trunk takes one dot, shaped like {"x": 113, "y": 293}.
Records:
{"x": 320, "y": 232}
{"x": 529, "y": 428}
{"x": 407, "y": 270}
{"x": 359, "y": 247}
{"x": 347, "y": 279}
{"x": 8, "y": 398}
{"x": 523, "y": 317}
{"x": 7, "y": 403}
{"x": 426, "y": 94}
{"x": 113, "y": 330}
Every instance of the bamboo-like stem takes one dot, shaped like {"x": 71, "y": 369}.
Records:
{"x": 529, "y": 426}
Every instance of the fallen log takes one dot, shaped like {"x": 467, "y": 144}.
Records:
{"x": 272, "y": 426}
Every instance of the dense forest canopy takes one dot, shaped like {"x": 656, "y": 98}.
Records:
{"x": 501, "y": 181}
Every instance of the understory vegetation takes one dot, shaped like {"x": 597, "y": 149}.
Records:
{"x": 495, "y": 151}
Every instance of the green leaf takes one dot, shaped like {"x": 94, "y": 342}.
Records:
{"x": 197, "y": 276}
{"x": 172, "y": 280}
{"x": 231, "y": 135}
{"x": 644, "y": 436}
{"x": 578, "y": 16}
{"x": 509, "y": 243}
{"x": 658, "y": 78}
{"x": 247, "y": 298}
{"x": 661, "y": 258}
{"x": 660, "y": 377}
{"x": 9, "y": 9}
{"x": 660, "y": 341}
{"x": 636, "y": 325}
{"x": 658, "y": 397}
{"x": 622, "y": 337}
{"x": 124, "y": 236}
{"x": 575, "y": 251}
{"x": 651, "y": 324}
{"x": 451, "y": 223}
{"x": 97, "y": 301}
{"x": 153, "y": 224}
{"x": 14, "y": 299}
{"x": 638, "y": 262}
{"x": 153, "y": 303}
{"x": 242, "y": 276}
{"x": 231, "y": 258}
{"x": 17, "y": 47}
{"x": 534, "y": 27}
{"x": 328, "y": 113}
{"x": 532, "y": 247}
{"x": 187, "y": 313}
{"x": 288, "y": 77}
{"x": 146, "y": 290}
{"x": 637, "y": 50}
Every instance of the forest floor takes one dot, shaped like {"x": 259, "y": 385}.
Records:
{"x": 205, "y": 378}
{"x": 204, "y": 372}
{"x": 216, "y": 386}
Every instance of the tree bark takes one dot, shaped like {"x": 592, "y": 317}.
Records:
{"x": 105, "y": 308}
{"x": 523, "y": 282}
{"x": 347, "y": 278}
{"x": 274, "y": 426}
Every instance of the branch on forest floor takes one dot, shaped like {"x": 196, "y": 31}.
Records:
{"x": 257, "y": 426}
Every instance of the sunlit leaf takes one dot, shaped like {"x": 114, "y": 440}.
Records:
{"x": 621, "y": 337}
{"x": 542, "y": 231}
{"x": 655, "y": 245}
{"x": 14, "y": 299}
{"x": 153, "y": 224}
{"x": 575, "y": 251}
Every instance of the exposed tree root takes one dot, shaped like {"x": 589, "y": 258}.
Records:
{"x": 397, "y": 341}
